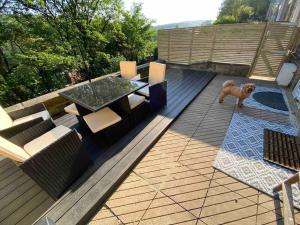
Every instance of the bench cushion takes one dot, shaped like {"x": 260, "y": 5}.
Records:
{"x": 137, "y": 77}
{"x": 72, "y": 109}
{"x": 45, "y": 140}
{"x": 44, "y": 114}
{"x": 5, "y": 120}
{"x": 144, "y": 91}
{"x": 101, "y": 119}
{"x": 12, "y": 151}
{"x": 135, "y": 100}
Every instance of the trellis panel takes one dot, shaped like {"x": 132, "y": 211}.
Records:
{"x": 262, "y": 46}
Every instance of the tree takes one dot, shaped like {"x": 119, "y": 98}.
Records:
{"x": 225, "y": 20}
{"x": 41, "y": 42}
{"x": 139, "y": 34}
{"x": 243, "y": 10}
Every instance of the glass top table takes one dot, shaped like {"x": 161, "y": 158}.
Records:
{"x": 99, "y": 94}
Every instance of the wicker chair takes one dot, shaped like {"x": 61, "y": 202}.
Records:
{"x": 15, "y": 122}
{"x": 52, "y": 156}
{"x": 156, "y": 91}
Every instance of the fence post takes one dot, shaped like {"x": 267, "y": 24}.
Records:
{"x": 191, "y": 45}
{"x": 213, "y": 43}
{"x": 169, "y": 38}
{"x": 258, "y": 50}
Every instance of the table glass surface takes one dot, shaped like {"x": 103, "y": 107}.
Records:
{"x": 100, "y": 93}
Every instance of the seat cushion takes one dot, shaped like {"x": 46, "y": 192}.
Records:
{"x": 12, "y": 151}
{"x": 5, "y": 120}
{"x": 72, "y": 109}
{"x": 44, "y": 114}
{"x": 144, "y": 91}
{"x": 101, "y": 119}
{"x": 157, "y": 72}
{"x": 128, "y": 69}
{"x": 135, "y": 100}
{"x": 137, "y": 77}
{"x": 46, "y": 139}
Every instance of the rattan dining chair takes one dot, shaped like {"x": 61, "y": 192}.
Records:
{"x": 52, "y": 156}
{"x": 156, "y": 91}
{"x": 12, "y": 123}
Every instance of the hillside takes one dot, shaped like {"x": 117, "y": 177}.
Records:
{"x": 184, "y": 24}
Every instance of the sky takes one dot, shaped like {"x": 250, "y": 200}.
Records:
{"x": 172, "y": 11}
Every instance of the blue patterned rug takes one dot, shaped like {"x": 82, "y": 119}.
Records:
{"x": 252, "y": 103}
{"x": 241, "y": 155}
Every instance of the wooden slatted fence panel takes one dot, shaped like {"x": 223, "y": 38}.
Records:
{"x": 278, "y": 40}
{"x": 230, "y": 43}
{"x": 262, "y": 46}
{"x": 202, "y": 45}
{"x": 179, "y": 46}
{"x": 237, "y": 43}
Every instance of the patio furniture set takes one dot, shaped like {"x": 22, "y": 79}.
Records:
{"x": 54, "y": 156}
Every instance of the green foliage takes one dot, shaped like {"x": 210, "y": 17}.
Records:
{"x": 242, "y": 10}
{"x": 138, "y": 33}
{"x": 225, "y": 20}
{"x": 42, "y": 41}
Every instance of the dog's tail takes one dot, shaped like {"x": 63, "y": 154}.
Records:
{"x": 228, "y": 83}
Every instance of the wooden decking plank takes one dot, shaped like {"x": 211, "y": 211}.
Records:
{"x": 30, "y": 217}
{"x": 19, "y": 202}
{"x": 75, "y": 214}
{"x": 13, "y": 195}
{"x": 6, "y": 168}
{"x": 115, "y": 158}
{"x": 4, "y": 162}
{"x": 11, "y": 178}
{"x": 7, "y": 173}
{"x": 28, "y": 207}
{"x": 13, "y": 186}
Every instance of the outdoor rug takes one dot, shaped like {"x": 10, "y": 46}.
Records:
{"x": 241, "y": 155}
{"x": 273, "y": 98}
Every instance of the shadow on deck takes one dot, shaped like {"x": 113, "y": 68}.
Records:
{"x": 22, "y": 201}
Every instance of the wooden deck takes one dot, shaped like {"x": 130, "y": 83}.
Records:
{"x": 175, "y": 183}
{"x": 22, "y": 201}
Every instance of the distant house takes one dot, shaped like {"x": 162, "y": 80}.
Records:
{"x": 284, "y": 11}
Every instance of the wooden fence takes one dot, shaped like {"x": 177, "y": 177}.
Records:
{"x": 262, "y": 46}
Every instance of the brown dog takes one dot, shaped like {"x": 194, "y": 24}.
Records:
{"x": 230, "y": 88}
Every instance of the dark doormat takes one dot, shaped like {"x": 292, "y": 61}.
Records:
{"x": 271, "y": 99}
{"x": 282, "y": 149}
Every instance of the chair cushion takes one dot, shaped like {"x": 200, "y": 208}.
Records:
{"x": 44, "y": 114}
{"x": 38, "y": 144}
{"x": 12, "y": 151}
{"x": 72, "y": 109}
{"x": 5, "y": 120}
{"x": 101, "y": 119}
{"x": 157, "y": 72}
{"x": 135, "y": 100}
{"x": 137, "y": 77}
{"x": 144, "y": 91}
{"x": 128, "y": 69}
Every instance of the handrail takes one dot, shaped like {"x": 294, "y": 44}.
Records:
{"x": 51, "y": 95}
{"x": 288, "y": 209}
{"x": 292, "y": 180}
